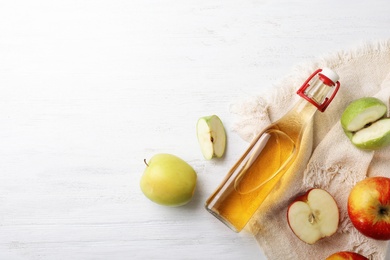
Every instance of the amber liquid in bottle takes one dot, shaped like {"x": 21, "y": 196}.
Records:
{"x": 268, "y": 158}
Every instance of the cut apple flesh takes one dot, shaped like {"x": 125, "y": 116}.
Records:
{"x": 211, "y": 136}
{"x": 378, "y": 132}
{"x": 205, "y": 139}
{"x": 315, "y": 218}
{"x": 367, "y": 116}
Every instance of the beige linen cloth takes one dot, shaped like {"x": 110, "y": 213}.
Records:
{"x": 327, "y": 159}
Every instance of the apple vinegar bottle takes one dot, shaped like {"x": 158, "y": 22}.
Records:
{"x": 270, "y": 155}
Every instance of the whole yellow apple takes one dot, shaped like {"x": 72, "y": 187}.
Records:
{"x": 369, "y": 207}
{"x": 168, "y": 180}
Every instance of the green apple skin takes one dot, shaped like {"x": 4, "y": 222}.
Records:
{"x": 379, "y": 133}
{"x": 348, "y": 134}
{"x": 211, "y": 136}
{"x": 361, "y": 112}
{"x": 168, "y": 180}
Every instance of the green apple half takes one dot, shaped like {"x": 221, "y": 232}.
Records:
{"x": 211, "y": 136}
{"x": 168, "y": 180}
{"x": 364, "y": 123}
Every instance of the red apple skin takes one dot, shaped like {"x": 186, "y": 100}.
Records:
{"x": 369, "y": 207}
{"x": 346, "y": 255}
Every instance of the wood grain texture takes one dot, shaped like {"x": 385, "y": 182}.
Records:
{"x": 89, "y": 89}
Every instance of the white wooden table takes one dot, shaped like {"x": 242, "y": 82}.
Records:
{"x": 89, "y": 89}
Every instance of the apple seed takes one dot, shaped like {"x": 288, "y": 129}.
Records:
{"x": 312, "y": 218}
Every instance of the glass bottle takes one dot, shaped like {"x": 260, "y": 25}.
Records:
{"x": 270, "y": 154}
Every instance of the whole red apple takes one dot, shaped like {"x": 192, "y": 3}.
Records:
{"x": 346, "y": 255}
{"x": 369, "y": 207}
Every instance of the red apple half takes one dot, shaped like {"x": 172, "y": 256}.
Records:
{"x": 369, "y": 207}
{"x": 346, "y": 255}
{"x": 313, "y": 216}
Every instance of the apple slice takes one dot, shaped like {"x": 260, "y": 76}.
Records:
{"x": 211, "y": 136}
{"x": 313, "y": 216}
{"x": 374, "y": 136}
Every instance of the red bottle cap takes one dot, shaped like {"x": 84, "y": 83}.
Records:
{"x": 329, "y": 78}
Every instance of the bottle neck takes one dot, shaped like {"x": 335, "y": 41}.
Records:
{"x": 304, "y": 109}
{"x": 318, "y": 93}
